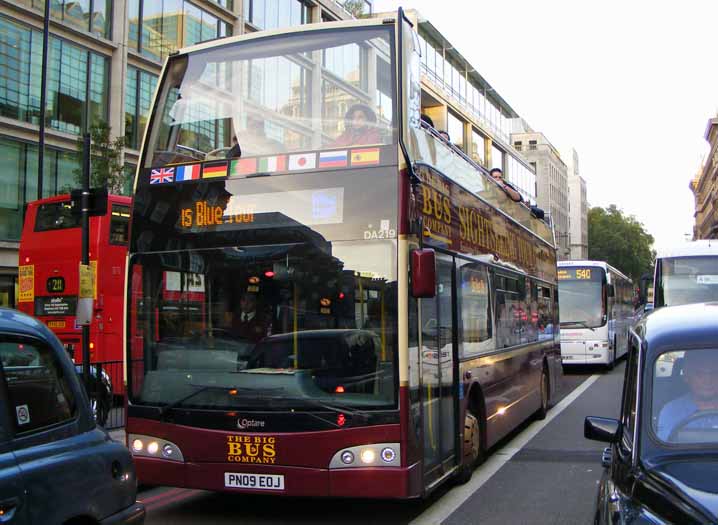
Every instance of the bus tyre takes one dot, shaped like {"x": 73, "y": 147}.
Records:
{"x": 472, "y": 447}
{"x": 543, "y": 409}
{"x": 612, "y": 358}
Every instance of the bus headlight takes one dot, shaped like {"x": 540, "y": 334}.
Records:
{"x": 152, "y": 447}
{"x": 367, "y": 456}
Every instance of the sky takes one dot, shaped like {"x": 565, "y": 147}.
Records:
{"x": 629, "y": 84}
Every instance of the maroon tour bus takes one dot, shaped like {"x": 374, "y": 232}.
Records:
{"x": 357, "y": 309}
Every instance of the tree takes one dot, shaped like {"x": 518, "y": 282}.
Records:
{"x": 106, "y": 168}
{"x": 355, "y": 7}
{"x": 620, "y": 240}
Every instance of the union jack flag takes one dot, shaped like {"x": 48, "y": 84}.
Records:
{"x": 162, "y": 175}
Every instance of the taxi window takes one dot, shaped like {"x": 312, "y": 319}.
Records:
{"x": 38, "y": 391}
{"x": 685, "y": 397}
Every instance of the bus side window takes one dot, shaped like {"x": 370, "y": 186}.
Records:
{"x": 119, "y": 224}
{"x": 475, "y": 310}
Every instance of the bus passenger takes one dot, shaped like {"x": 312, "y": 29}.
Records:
{"x": 235, "y": 151}
{"x": 359, "y": 128}
{"x": 509, "y": 188}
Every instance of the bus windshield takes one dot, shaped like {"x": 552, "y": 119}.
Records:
{"x": 581, "y": 299}
{"x": 273, "y": 95}
{"x": 265, "y": 327}
{"x": 685, "y": 280}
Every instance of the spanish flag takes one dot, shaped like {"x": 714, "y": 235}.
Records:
{"x": 365, "y": 156}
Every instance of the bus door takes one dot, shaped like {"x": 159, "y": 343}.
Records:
{"x": 438, "y": 380}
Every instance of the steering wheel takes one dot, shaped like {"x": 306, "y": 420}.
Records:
{"x": 697, "y": 416}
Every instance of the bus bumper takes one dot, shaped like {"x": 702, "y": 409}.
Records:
{"x": 360, "y": 482}
{"x": 584, "y": 353}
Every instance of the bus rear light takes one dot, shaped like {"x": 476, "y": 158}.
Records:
{"x": 341, "y": 420}
{"x": 269, "y": 274}
{"x": 341, "y": 295}
{"x": 339, "y": 389}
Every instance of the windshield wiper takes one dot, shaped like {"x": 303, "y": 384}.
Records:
{"x": 204, "y": 388}
{"x": 579, "y": 323}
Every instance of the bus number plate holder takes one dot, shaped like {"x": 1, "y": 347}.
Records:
{"x": 237, "y": 480}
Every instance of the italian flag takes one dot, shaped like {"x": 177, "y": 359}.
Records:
{"x": 272, "y": 164}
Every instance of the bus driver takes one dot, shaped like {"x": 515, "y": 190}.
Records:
{"x": 700, "y": 370}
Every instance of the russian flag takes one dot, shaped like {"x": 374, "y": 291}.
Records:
{"x": 333, "y": 159}
{"x": 187, "y": 172}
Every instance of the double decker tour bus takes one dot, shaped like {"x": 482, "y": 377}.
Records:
{"x": 49, "y": 278}
{"x": 370, "y": 311}
{"x": 596, "y": 312}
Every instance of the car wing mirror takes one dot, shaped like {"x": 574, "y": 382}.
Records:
{"x": 601, "y": 429}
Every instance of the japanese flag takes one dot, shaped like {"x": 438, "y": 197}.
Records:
{"x": 303, "y": 161}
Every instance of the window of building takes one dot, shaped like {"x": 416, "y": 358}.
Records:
{"x": 455, "y": 127}
{"x": 478, "y": 143}
{"x": 94, "y": 16}
{"x": 497, "y": 158}
{"x": 139, "y": 89}
{"x": 532, "y": 144}
{"x": 159, "y": 28}
{"x": 8, "y": 287}
{"x": 77, "y": 82}
{"x": 20, "y": 70}
{"x": 39, "y": 393}
{"x": 272, "y": 14}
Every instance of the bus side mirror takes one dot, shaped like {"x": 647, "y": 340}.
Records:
{"x": 423, "y": 274}
{"x": 611, "y": 290}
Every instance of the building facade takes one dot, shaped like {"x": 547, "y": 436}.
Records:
{"x": 705, "y": 188}
{"x": 578, "y": 205}
{"x": 463, "y": 103}
{"x": 551, "y": 181}
{"x": 104, "y": 59}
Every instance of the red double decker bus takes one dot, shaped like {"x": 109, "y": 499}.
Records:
{"x": 356, "y": 308}
{"x": 49, "y": 277}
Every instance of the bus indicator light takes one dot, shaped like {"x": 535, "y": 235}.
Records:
{"x": 339, "y": 390}
{"x": 254, "y": 279}
{"x": 233, "y": 392}
{"x": 388, "y": 455}
{"x": 137, "y": 445}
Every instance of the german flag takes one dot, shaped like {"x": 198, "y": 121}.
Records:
{"x": 213, "y": 170}
{"x": 365, "y": 156}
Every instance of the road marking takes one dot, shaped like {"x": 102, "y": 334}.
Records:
{"x": 453, "y": 499}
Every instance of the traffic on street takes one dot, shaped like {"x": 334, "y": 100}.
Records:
{"x": 299, "y": 261}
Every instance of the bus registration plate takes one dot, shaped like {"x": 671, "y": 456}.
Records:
{"x": 254, "y": 481}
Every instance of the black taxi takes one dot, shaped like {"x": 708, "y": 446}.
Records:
{"x": 56, "y": 465}
{"x": 662, "y": 465}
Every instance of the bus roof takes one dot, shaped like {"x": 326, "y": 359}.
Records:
{"x": 690, "y": 249}
{"x": 224, "y": 41}
{"x": 597, "y": 264}
{"x": 120, "y": 199}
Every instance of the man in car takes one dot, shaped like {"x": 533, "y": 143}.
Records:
{"x": 700, "y": 371}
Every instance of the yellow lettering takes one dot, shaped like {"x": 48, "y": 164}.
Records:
{"x": 234, "y": 449}
{"x": 268, "y": 450}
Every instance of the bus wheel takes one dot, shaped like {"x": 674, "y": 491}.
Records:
{"x": 472, "y": 447}
{"x": 545, "y": 389}
{"x": 612, "y": 358}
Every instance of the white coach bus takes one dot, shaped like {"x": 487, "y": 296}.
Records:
{"x": 595, "y": 312}
{"x": 686, "y": 273}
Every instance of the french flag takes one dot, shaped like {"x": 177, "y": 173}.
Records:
{"x": 187, "y": 172}
{"x": 333, "y": 159}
